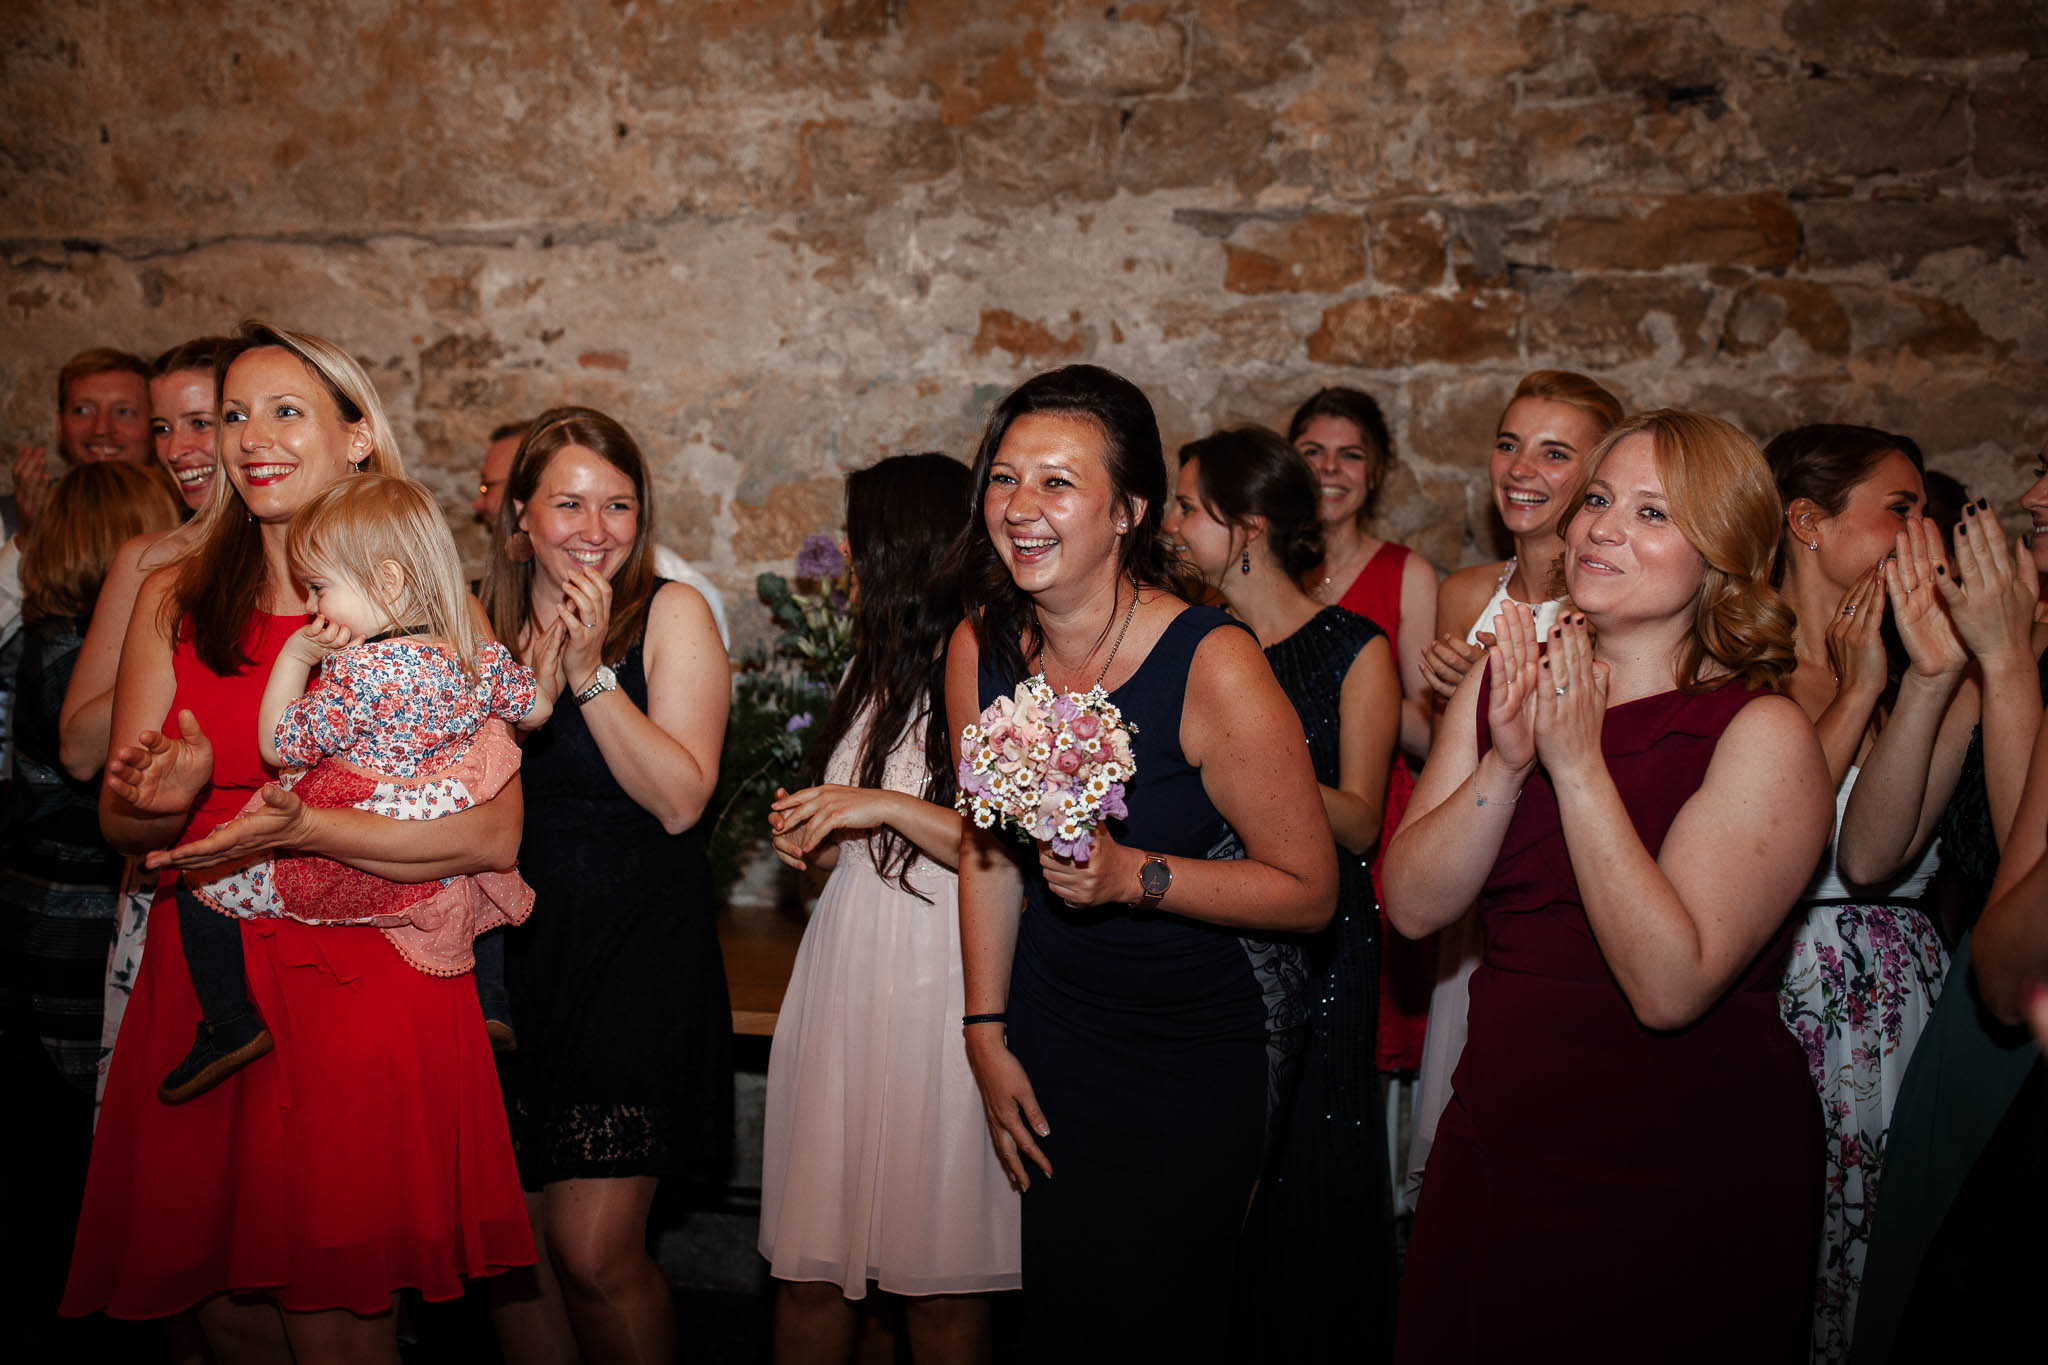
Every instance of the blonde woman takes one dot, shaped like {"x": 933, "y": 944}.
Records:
{"x": 255, "y": 1204}
{"x": 1630, "y": 1161}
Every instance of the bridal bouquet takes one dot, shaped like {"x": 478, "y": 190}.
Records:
{"x": 1047, "y": 766}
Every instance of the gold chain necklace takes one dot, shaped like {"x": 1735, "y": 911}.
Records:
{"x": 1129, "y": 612}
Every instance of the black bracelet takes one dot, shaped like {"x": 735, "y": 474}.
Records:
{"x": 967, "y": 1019}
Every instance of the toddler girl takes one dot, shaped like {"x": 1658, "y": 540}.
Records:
{"x": 408, "y": 721}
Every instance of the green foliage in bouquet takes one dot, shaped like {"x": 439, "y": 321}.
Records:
{"x": 780, "y": 696}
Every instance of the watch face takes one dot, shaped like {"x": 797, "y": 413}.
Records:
{"x": 1155, "y": 877}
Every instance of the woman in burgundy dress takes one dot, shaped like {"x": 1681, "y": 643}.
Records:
{"x": 1631, "y": 1161}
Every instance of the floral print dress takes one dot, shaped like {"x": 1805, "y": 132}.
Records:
{"x": 1859, "y": 989}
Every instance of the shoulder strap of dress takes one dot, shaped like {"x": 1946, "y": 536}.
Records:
{"x": 1176, "y": 646}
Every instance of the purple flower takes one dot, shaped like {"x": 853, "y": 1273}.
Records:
{"x": 819, "y": 557}
{"x": 797, "y": 722}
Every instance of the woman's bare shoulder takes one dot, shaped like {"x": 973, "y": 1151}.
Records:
{"x": 1463, "y": 595}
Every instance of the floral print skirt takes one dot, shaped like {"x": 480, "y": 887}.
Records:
{"x": 1859, "y": 988}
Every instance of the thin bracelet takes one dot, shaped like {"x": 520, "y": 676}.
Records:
{"x": 998, "y": 1018}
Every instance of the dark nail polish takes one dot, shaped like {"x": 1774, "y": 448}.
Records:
{"x": 1984, "y": 503}
{"x": 1941, "y": 571}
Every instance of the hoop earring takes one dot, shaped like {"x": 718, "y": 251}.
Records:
{"x": 519, "y": 548}
{"x": 357, "y": 467}
{"x": 1244, "y": 564}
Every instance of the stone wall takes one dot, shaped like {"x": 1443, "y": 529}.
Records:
{"x": 783, "y": 238}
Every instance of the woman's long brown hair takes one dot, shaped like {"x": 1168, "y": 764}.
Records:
{"x": 508, "y": 583}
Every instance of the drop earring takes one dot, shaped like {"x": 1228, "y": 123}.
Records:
{"x": 1244, "y": 563}
{"x": 1813, "y": 545}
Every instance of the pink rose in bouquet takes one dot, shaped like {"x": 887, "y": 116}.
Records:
{"x": 1047, "y": 766}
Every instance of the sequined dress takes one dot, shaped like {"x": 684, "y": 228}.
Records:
{"x": 1318, "y": 1256}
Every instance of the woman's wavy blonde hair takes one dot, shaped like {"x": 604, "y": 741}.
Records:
{"x": 1720, "y": 494}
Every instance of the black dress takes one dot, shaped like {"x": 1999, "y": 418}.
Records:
{"x": 624, "y": 1065}
{"x": 1318, "y": 1256}
{"x": 1145, "y": 1036}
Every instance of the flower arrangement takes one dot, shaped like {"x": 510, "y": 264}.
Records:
{"x": 781, "y": 692}
{"x": 1047, "y": 766}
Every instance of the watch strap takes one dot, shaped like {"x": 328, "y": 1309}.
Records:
{"x": 603, "y": 681}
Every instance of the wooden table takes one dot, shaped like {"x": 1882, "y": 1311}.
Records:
{"x": 759, "y": 944}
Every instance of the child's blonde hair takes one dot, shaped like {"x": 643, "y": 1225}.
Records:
{"x": 357, "y": 524}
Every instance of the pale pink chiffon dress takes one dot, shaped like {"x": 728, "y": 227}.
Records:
{"x": 876, "y": 1159}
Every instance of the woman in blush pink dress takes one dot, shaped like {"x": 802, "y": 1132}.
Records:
{"x": 877, "y": 1166}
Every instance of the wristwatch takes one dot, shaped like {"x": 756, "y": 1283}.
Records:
{"x": 1153, "y": 879}
{"x": 601, "y": 682}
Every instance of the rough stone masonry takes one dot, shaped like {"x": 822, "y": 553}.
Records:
{"x": 781, "y": 238}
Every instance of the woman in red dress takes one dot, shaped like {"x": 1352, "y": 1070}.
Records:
{"x": 368, "y": 1152}
{"x": 1630, "y": 1164}
{"x": 1343, "y": 436}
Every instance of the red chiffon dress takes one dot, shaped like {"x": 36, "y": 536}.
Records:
{"x": 1599, "y": 1190}
{"x": 1407, "y": 966}
{"x": 367, "y": 1153}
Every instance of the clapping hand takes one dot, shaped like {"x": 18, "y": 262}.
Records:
{"x": 1448, "y": 659}
{"x": 1911, "y": 575}
{"x": 1992, "y": 596}
{"x": 587, "y": 609}
{"x": 282, "y": 821}
{"x": 1512, "y": 676}
{"x": 1855, "y": 636}
{"x": 162, "y": 774}
{"x": 1570, "y": 701}
{"x": 545, "y": 659}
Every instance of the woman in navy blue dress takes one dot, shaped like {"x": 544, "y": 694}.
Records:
{"x": 1120, "y": 1011}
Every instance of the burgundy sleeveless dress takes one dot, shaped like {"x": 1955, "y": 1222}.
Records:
{"x": 1600, "y": 1190}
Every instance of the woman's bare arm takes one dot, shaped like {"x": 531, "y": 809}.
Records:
{"x": 1238, "y": 728}
{"x": 666, "y": 757}
{"x": 1416, "y": 629}
{"x": 86, "y": 721}
{"x": 1678, "y": 929}
{"x": 1370, "y": 710}
{"x": 152, "y": 777}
